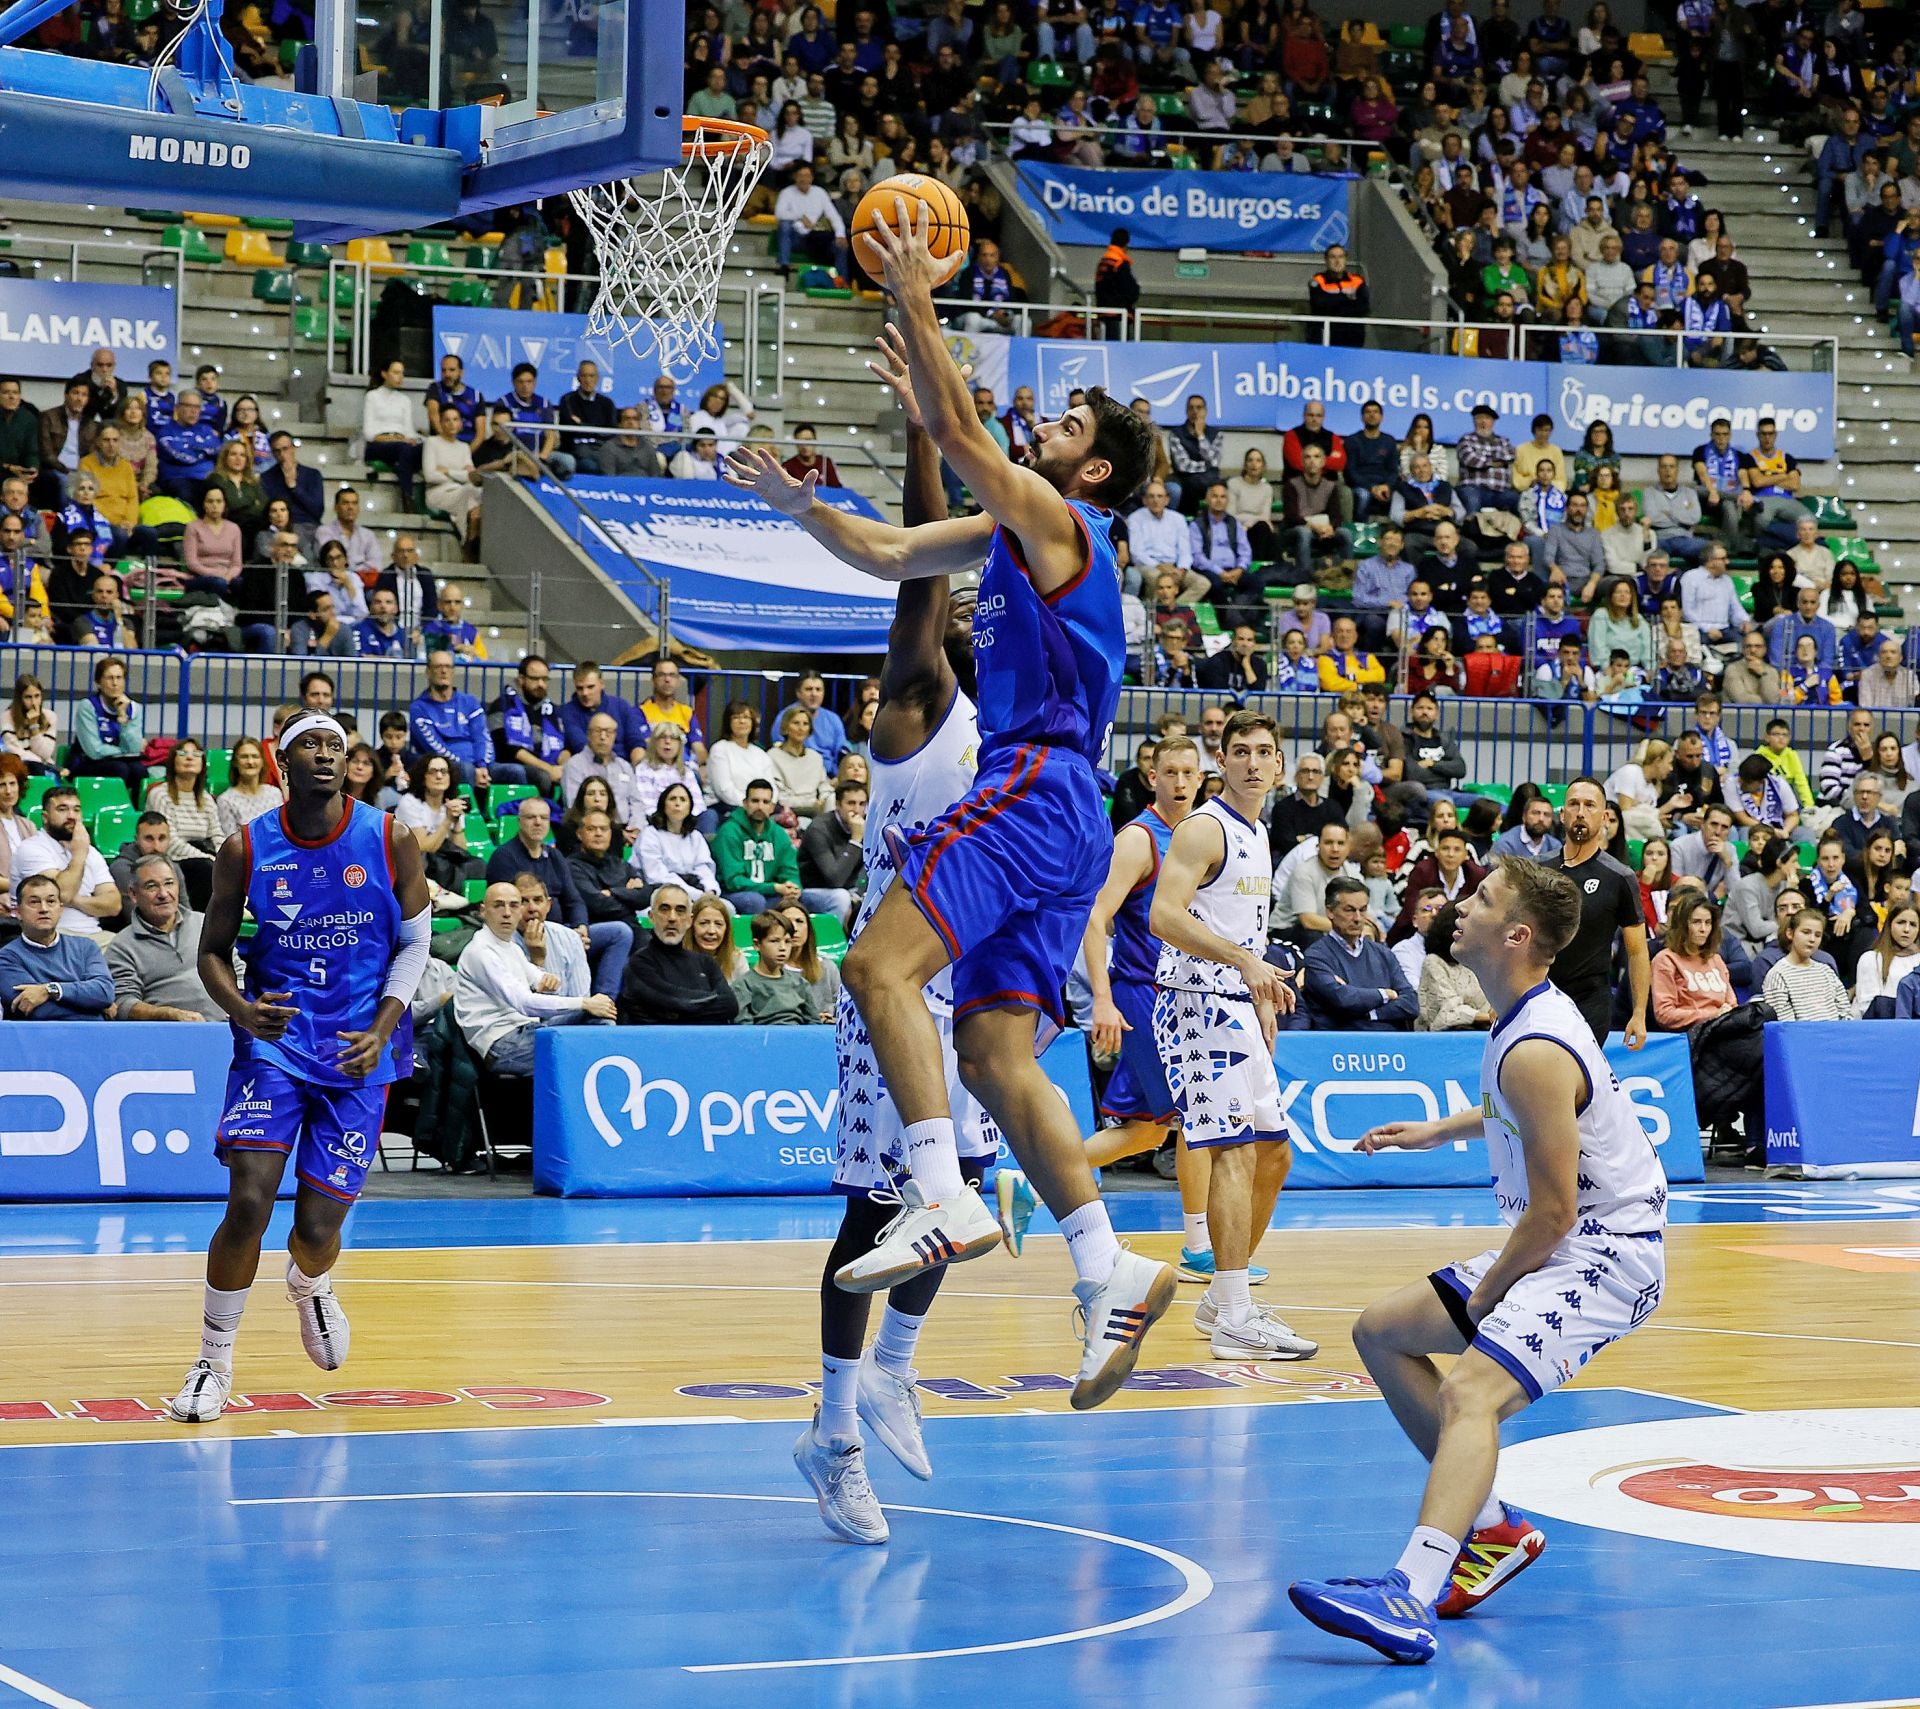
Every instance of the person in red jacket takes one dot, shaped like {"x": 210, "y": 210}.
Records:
{"x": 1313, "y": 431}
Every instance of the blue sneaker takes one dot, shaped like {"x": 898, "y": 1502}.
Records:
{"x": 1380, "y": 1612}
{"x": 1016, "y": 1202}
{"x": 1198, "y": 1267}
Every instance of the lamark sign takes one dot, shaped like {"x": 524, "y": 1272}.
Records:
{"x": 51, "y": 330}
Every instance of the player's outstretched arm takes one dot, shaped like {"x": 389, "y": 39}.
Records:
{"x": 1420, "y": 1136}
{"x": 1198, "y": 849}
{"x": 1017, "y": 498}
{"x": 877, "y": 548}
{"x": 266, "y": 1016}
{"x": 1543, "y": 1083}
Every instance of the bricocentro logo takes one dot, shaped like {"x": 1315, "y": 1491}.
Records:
{"x": 662, "y": 1108}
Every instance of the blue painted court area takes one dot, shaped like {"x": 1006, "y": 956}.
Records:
{"x": 403, "y": 1224}
{"x": 1136, "y": 1558}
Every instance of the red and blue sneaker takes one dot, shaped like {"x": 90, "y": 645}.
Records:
{"x": 1382, "y": 1613}
{"x": 1494, "y": 1555}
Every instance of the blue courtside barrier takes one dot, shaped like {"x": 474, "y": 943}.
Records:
{"x": 1843, "y": 1097}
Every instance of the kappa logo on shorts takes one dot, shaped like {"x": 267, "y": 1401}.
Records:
{"x": 354, "y": 877}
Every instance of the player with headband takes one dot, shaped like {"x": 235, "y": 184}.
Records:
{"x": 321, "y": 1030}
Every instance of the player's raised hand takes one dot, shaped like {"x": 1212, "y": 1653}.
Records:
{"x": 892, "y": 371}
{"x": 1400, "y": 1136}
{"x": 905, "y": 254}
{"x": 754, "y": 469}
{"x": 268, "y": 1015}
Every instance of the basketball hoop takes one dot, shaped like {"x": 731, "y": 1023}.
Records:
{"x": 663, "y": 239}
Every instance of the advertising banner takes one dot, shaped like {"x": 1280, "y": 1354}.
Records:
{"x": 1335, "y": 1086}
{"x": 112, "y": 1110}
{"x": 1267, "y": 387}
{"x": 492, "y": 342}
{"x": 637, "y": 1112}
{"x": 1267, "y": 212}
{"x": 1873, "y": 1068}
{"x": 742, "y": 575}
{"x": 49, "y": 331}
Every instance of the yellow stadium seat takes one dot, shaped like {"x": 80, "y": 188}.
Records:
{"x": 218, "y": 221}
{"x": 1649, "y": 45}
{"x": 251, "y": 249}
{"x": 374, "y": 251}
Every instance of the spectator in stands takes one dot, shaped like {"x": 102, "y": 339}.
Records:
{"x": 1750, "y": 680}
{"x": 66, "y": 435}
{"x": 449, "y": 630}
{"x": 754, "y": 857}
{"x": 1486, "y": 464}
{"x": 589, "y": 699}
{"x": 1312, "y": 430}
{"x": 1863, "y": 817}
{"x": 498, "y": 451}
{"x": 798, "y": 773}
{"x": 1784, "y": 633}
{"x": 1222, "y": 552}
{"x": 529, "y": 744}
{"x": 1315, "y": 514}
{"x": 451, "y": 392}
{"x": 598, "y": 756}
{"x": 1705, "y": 854}
{"x": 671, "y": 850}
{"x": 214, "y": 548}
{"x": 45, "y": 973}
{"x": 807, "y": 459}
{"x": 1353, "y": 981}
{"x": 1884, "y": 969}
{"x": 444, "y": 719}
{"x": 109, "y": 730}
{"x": 608, "y": 886}
{"x": 499, "y": 1002}
{"x": 116, "y": 484}
{"x": 607, "y": 941}
{"x": 832, "y": 867}
{"x": 1339, "y": 295}
{"x": 531, "y": 422}
{"x": 104, "y": 622}
{"x": 19, "y": 431}
{"x": 364, "y": 556}
{"x": 187, "y": 446}
{"x": 320, "y": 632}
{"x": 828, "y": 737}
{"x": 380, "y": 635}
{"x": 663, "y": 763}
{"x": 63, "y": 850}
{"x": 1798, "y": 987}
{"x": 1711, "y": 603}
{"x": 453, "y": 483}
{"x": 586, "y": 407}
{"x": 1889, "y": 683}
{"x": 1301, "y": 912}
{"x": 152, "y": 835}
{"x": 234, "y": 478}
{"x": 29, "y": 729}
{"x": 1689, "y": 975}
{"x": 736, "y": 759}
{"x": 411, "y": 584}
{"x": 302, "y": 488}
{"x": 668, "y": 982}
{"x": 1159, "y": 540}
{"x": 1195, "y": 450}
{"x": 554, "y": 949}
{"x": 154, "y": 963}
{"x": 1672, "y": 511}
{"x": 1237, "y": 669}
{"x": 437, "y": 817}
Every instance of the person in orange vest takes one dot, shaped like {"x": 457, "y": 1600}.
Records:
{"x": 1339, "y": 293}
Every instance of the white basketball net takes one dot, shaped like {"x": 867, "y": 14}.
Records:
{"x": 662, "y": 241}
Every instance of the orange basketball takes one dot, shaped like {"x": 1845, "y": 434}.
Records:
{"x": 947, "y": 235}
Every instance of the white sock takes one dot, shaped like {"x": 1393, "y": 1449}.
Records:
{"x": 300, "y": 1284}
{"x": 1428, "y": 1562}
{"x": 933, "y": 1159}
{"x": 893, "y": 1346}
{"x": 1232, "y": 1295}
{"x": 1491, "y": 1512}
{"x": 838, "y": 1386}
{"x": 1196, "y": 1238}
{"x": 1090, "y": 1242}
{"x": 220, "y": 1323}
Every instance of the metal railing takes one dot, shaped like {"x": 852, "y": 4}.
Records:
{"x": 58, "y": 260}
{"x": 219, "y": 697}
{"x": 759, "y": 307}
{"x": 1113, "y": 136}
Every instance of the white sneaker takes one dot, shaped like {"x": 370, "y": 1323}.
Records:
{"x": 1262, "y": 1336}
{"x": 837, "y": 1471}
{"x": 1206, "y": 1314}
{"x": 324, "y": 1330}
{"x": 921, "y": 1238}
{"x": 203, "y": 1396}
{"x": 890, "y": 1407}
{"x": 1114, "y": 1318}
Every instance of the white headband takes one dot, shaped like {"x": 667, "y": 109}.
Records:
{"x": 310, "y": 721}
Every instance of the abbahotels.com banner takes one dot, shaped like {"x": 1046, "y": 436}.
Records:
{"x": 1265, "y": 386}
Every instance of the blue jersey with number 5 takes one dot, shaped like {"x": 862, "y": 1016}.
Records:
{"x": 328, "y": 924}
{"x": 1049, "y": 665}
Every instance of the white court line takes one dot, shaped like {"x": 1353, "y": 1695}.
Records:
{"x": 38, "y": 1692}
{"x": 1197, "y": 1583}
{"x": 1677, "y": 1399}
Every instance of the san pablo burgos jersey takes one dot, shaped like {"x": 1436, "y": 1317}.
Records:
{"x": 1232, "y": 904}
{"x": 910, "y": 791}
{"x": 1623, "y": 1189}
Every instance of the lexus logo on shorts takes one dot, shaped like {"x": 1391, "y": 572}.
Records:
{"x": 355, "y": 877}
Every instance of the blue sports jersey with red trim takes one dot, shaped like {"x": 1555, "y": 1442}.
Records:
{"x": 1136, "y": 951}
{"x": 1049, "y": 665}
{"x": 328, "y": 925}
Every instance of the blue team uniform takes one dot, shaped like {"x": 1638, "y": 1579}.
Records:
{"x": 1138, "y": 1090}
{"x": 329, "y": 924}
{"x": 1008, "y": 874}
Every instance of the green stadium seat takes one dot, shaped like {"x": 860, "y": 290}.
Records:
{"x": 277, "y": 285}
{"x": 1366, "y": 539}
{"x": 469, "y": 293}
{"x": 139, "y": 11}
{"x": 1500, "y": 792}
{"x": 1556, "y": 793}
{"x": 192, "y": 243}
{"x": 501, "y": 796}
{"x": 98, "y": 794}
{"x": 290, "y": 54}
{"x": 1830, "y": 511}
{"x": 265, "y": 222}
{"x": 482, "y": 257}
{"x": 1045, "y": 74}
{"x": 1807, "y": 853}
{"x": 303, "y": 254}
{"x": 310, "y": 326}
{"x": 1171, "y": 104}
{"x": 156, "y": 216}
{"x": 1634, "y": 847}
{"x": 421, "y": 254}
{"x": 114, "y": 829}
{"x": 473, "y": 889}
{"x": 830, "y": 936}
{"x": 743, "y": 932}
{"x": 1411, "y": 37}
{"x": 1207, "y": 618}
{"x": 219, "y": 770}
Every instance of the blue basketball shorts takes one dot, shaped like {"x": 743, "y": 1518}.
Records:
{"x": 333, "y": 1131}
{"x": 1007, "y": 877}
{"x": 1138, "y": 1090}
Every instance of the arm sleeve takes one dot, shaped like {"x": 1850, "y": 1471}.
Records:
{"x": 410, "y": 960}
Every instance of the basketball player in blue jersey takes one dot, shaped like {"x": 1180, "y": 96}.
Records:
{"x": 923, "y": 754}
{"x": 1582, "y": 1193}
{"x": 1000, "y": 886}
{"x": 321, "y": 1030}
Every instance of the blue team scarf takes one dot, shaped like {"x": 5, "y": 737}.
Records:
{"x": 104, "y": 721}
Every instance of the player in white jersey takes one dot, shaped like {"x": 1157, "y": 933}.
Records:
{"x": 1578, "y": 1184}
{"x": 922, "y": 760}
{"x": 1213, "y": 1022}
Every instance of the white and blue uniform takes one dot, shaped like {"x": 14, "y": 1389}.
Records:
{"x": 328, "y": 929}
{"x": 1606, "y": 1277}
{"x": 1204, "y": 1023}
{"x": 870, "y": 1155}
{"x": 1007, "y": 876}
